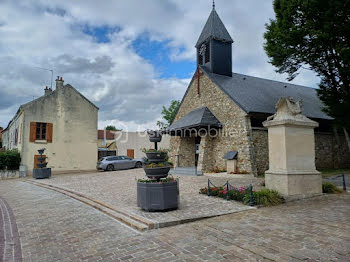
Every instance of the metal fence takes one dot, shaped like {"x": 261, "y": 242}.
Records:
{"x": 229, "y": 187}
{"x": 339, "y": 180}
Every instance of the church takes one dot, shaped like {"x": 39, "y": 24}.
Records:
{"x": 222, "y": 112}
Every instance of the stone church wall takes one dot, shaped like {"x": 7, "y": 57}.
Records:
{"x": 261, "y": 149}
{"x": 331, "y": 152}
{"x": 233, "y": 136}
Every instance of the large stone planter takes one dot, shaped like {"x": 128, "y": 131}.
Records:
{"x": 158, "y": 196}
{"x": 40, "y": 173}
{"x": 157, "y": 172}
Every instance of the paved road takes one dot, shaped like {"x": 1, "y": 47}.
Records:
{"x": 53, "y": 227}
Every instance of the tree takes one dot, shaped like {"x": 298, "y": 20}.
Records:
{"x": 112, "y": 128}
{"x": 315, "y": 35}
{"x": 169, "y": 114}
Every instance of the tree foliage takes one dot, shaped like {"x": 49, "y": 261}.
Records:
{"x": 112, "y": 128}
{"x": 314, "y": 34}
{"x": 169, "y": 114}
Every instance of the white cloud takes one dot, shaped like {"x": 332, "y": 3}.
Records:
{"x": 126, "y": 87}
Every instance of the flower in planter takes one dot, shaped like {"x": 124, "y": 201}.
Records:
{"x": 161, "y": 181}
{"x": 152, "y": 150}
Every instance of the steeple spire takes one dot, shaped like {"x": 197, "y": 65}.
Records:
{"x": 214, "y": 28}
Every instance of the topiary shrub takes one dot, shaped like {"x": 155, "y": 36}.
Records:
{"x": 330, "y": 188}
{"x": 265, "y": 197}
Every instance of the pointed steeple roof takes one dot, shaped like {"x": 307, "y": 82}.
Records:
{"x": 214, "y": 28}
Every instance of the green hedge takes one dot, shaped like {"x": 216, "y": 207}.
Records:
{"x": 10, "y": 160}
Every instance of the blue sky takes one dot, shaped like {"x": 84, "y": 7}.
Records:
{"x": 155, "y": 52}
{"x": 130, "y": 58}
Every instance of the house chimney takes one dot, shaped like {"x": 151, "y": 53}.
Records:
{"x": 59, "y": 82}
{"x": 47, "y": 90}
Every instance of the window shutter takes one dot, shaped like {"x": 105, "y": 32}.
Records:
{"x": 32, "y": 132}
{"x": 49, "y": 128}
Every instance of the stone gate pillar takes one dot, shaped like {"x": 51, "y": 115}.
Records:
{"x": 291, "y": 140}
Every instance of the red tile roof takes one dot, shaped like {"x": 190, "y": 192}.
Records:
{"x": 109, "y": 134}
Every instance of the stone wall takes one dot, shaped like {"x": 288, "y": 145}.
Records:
{"x": 261, "y": 149}
{"x": 8, "y": 174}
{"x": 331, "y": 152}
{"x": 235, "y": 135}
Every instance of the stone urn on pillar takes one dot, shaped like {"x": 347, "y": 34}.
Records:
{"x": 291, "y": 141}
{"x": 159, "y": 192}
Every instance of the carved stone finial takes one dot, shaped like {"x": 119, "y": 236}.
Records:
{"x": 289, "y": 109}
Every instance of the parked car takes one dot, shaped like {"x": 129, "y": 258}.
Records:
{"x": 110, "y": 163}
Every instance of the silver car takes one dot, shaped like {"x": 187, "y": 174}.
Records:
{"x": 111, "y": 163}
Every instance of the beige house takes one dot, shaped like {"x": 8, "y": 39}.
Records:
{"x": 131, "y": 143}
{"x": 64, "y": 122}
{"x": 223, "y": 112}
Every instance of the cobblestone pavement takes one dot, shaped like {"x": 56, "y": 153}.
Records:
{"x": 118, "y": 190}
{"x": 53, "y": 227}
{"x": 10, "y": 247}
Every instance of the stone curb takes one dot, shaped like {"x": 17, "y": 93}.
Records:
{"x": 139, "y": 223}
{"x": 136, "y": 223}
{"x": 10, "y": 244}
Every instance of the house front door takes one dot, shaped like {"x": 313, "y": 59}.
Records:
{"x": 130, "y": 153}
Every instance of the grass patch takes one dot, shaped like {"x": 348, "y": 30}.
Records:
{"x": 330, "y": 188}
{"x": 265, "y": 197}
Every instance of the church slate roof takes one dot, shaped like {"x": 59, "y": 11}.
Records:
{"x": 200, "y": 117}
{"x": 258, "y": 95}
{"x": 214, "y": 28}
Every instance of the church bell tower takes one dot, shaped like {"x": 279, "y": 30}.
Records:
{"x": 214, "y": 46}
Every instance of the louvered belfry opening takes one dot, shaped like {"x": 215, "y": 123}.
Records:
{"x": 207, "y": 52}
